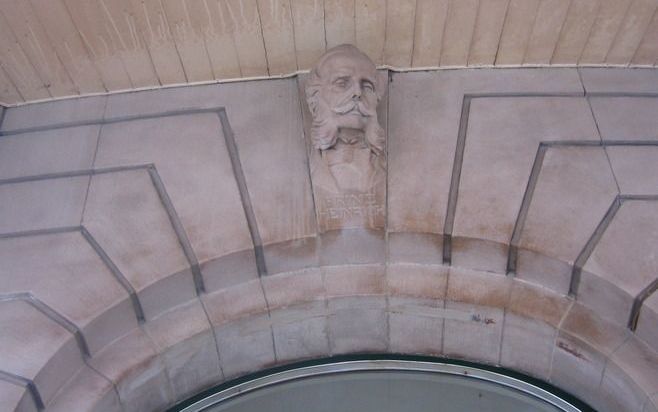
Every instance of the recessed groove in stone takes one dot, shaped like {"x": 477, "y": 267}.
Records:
{"x": 72, "y": 173}
{"x": 638, "y": 302}
{"x": 241, "y": 181}
{"x": 103, "y": 121}
{"x": 181, "y": 235}
{"x": 116, "y": 272}
{"x": 525, "y": 206}
{"x": 51, "y": 314}
{"x": 38, "y": 232}
{"x": 29, "y": 384}
{"x": 587, "y": 250}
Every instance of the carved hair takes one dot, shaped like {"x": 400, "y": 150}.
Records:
{"x": 324, "y": 130}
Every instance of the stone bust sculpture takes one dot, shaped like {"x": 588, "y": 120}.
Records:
{"x": 348, "y": 145}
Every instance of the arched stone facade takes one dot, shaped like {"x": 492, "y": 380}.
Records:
{"x": 156, "y": 243}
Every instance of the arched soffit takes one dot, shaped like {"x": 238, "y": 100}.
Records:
{"x": 77, "y": 47}
{"x": 157, "y": 243}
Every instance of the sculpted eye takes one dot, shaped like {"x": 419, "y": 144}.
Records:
{"x": 368, "y": 86}
{"x": 343, "y": 83}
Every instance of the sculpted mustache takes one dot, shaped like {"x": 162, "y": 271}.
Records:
{"x": 350, "y": 106}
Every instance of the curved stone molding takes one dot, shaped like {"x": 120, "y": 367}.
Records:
{"x": 173, "y": 239}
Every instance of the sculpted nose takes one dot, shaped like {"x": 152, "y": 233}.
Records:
{"x": 356, "y": 92}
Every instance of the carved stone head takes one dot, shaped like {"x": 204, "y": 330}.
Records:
{"x": 342, "y": 93}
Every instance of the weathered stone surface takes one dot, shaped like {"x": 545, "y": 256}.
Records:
{"x": 292, "y": 255}
{"x": 472, "y": 332}
{"x": 424, "y": 110}
{"x": 573, "y": 193}
{"x": 354, "y": 280}
{"x": 292, "y": 288}
{"x": 578, "y": 368}
{"x": 527, "y": 345}
{"x": 36, "y": 348}
{"x": 50, "y": 113}
{"x": 626, "y": 118}
{"x": 424, "y": 248}
{"x": 417, "y": 281}
{"x": 126, "y": 217}
{"x": 231, "y": 304}
{"x": 64, "y": 272}
{"x": 133, "y": 365}
{"x": 639, "y": 362}
{"x": 187, "y": 347}
{"x": 42, "y": 204}
{"x": 352, "y": 246}
{"x": 300, "y": 331}
{"x": 538, "y": 303}
{"x": 619, "y": 392}
{"x": 647, "y": 326}
{"x": 478, "y": 288}
{"x": 191, "y": 158}
{"x": 635, "y": 168}
{"x": 611, "y": 80}
{"x": 15, "y": 398}
{"x": 357, "y": 324}
{"x": 50, "y": 151}
{"x": 623, "y": 263}
{"x": 582, "y": 323}
{"x": 415, "y": 325}
{"x": 245, "y": 345}
{"x": 504, "y": 135}
{"x": 86, "y": 391}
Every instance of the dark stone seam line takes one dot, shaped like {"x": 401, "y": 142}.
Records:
{"x": 53, "y": 315}
{"x": 28, "y": 384}
{"x": 241, "y": 182}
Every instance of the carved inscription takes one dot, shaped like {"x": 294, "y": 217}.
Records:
{"x": 352, "y": 206}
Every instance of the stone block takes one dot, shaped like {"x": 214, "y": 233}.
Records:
{"x": 527, "y": 345}
{"x": 354, "y": 280}
{"x": 300, "y": 332}
{"x": 69, "y": 111}
{"x": 472, "y": 332}
{"x": 125, "y": 216}
{"x": 503, "y": 135}
{"x": 623, "y": 263}
{"x": 417, "y": 281}
{"x": 187, "y": 347}
{"x": 191, "y": 158}
{"x": 584, "y": 324}
{"x": 415, "y": 325}
{"x": 49, "y": 151}
{"x": 478, "y": 288}
{"x": 245, "y": 345}
{"x": 37, "y": 348}
{"x": 357, "y": 325}
{"x": 647, "y": 325}
{"x": 615, "y": 80}
{"x": 64, "y": 272}
{"x": 292, "y": 288}
{"x": 618, "y": 392}
{"x": 421, "y": 248}
{"x": 425, "y": 110}
{"x": 626, "y": 118}
{"x": 577, "y": 368}
{"x": 42, "y": 204}
{"x": 635, "y": 168}
{"x": 574, "y": 191}
{"x": 86, "y": 391}
{"x": 640, "y": 363}
{"x": 543, "y": 270}
{"x": 292, "y": 255}
{"x": 138, "y": 373}
{"x": 229, "y": 270}
{"x": 352, "y": 246}
{"x": 227, "y": 305}
{"x": 272, "y": 151}
{"x": 538, "y": 303}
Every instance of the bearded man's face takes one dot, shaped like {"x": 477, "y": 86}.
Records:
{"x": 349, "y": 90}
